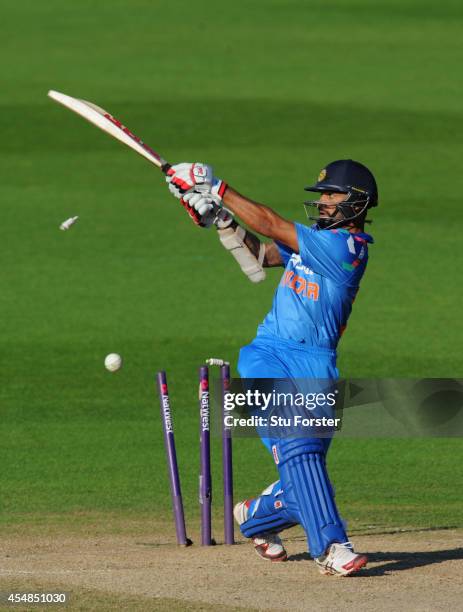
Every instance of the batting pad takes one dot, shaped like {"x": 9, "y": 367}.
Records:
{"x": 268, "y": 513}
{"x": 308, "y": 493}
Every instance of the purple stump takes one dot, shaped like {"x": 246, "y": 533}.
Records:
{"x": 174, "y": 479}
{"x": 227, "y": 465}
{"x": 205, "y": 481}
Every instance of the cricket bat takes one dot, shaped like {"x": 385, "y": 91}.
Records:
{"x": 109, "y": 124}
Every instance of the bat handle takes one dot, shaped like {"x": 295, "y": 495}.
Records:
{"x": 166, "y": 167}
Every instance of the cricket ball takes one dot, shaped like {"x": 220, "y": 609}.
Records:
{"x": 113, "y": 362}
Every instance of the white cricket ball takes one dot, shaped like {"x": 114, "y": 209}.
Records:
{"x": 113, "y": 362}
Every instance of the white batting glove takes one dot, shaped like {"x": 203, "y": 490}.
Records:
{"x": 202, "y": 209}
{"x": 186, "y": 177}
{"x": 206, "y": 210}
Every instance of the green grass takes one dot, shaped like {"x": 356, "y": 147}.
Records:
{"x": 269, "y": 92}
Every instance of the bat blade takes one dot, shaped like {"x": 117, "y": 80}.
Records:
{"x": 109, "y": 124}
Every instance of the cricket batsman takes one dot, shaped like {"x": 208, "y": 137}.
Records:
{"x": 323, "y": 266}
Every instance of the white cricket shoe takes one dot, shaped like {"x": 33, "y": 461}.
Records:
{"x": 270, "y": 547}
{"x": 267, "y": 545}
{"x": 340, "y": 560}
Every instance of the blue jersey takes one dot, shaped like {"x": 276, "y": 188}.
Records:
{"x": 314, "y": 298}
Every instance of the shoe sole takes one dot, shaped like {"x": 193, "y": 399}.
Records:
{"x": 277, "y": 559}
{"x": 357, "y": 565}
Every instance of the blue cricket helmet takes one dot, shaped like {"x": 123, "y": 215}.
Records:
{"x": 349, "y": 177}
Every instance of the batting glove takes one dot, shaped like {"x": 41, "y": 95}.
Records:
{"x": 202, "y": 209}
{"x": 185, "y": 177}
{"x": 224, "y": 218}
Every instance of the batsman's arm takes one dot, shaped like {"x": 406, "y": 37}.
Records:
{"x": 186, "y": 177}
{"x": 262, "y": 219}
{"x": 251, "y": 254}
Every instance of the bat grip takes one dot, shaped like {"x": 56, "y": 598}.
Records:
{"x": 166, "y": 167}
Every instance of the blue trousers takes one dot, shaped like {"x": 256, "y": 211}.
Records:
{"x": 303, "y": 494}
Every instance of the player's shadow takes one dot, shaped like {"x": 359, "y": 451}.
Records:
{"x": 398, "y": 561}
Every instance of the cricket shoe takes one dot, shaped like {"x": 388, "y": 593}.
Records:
{"x": 340, "y": 560}
{"x": 270, "y": 547}
{"x": 267, "y": 545}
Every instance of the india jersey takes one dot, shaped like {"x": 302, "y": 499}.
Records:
{"x": 314, "y": 298}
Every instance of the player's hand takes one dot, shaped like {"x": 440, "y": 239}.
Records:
{"x": 202, "y": 209}
{"x": 205, "y": 211}
{"x": 186, "y": 177}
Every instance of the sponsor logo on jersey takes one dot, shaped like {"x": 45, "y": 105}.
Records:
{"x": 296, "y": 260}
{"x": 300, "y": 285}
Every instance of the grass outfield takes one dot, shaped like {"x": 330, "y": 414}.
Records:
{"x": 269, "y": 92}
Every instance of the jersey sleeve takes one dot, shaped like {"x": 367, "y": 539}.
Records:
{"x": 330, "y": 253}
{"x": 285, "y": 251}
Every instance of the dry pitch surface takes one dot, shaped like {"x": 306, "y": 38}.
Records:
{"x": 407, "y": 571}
